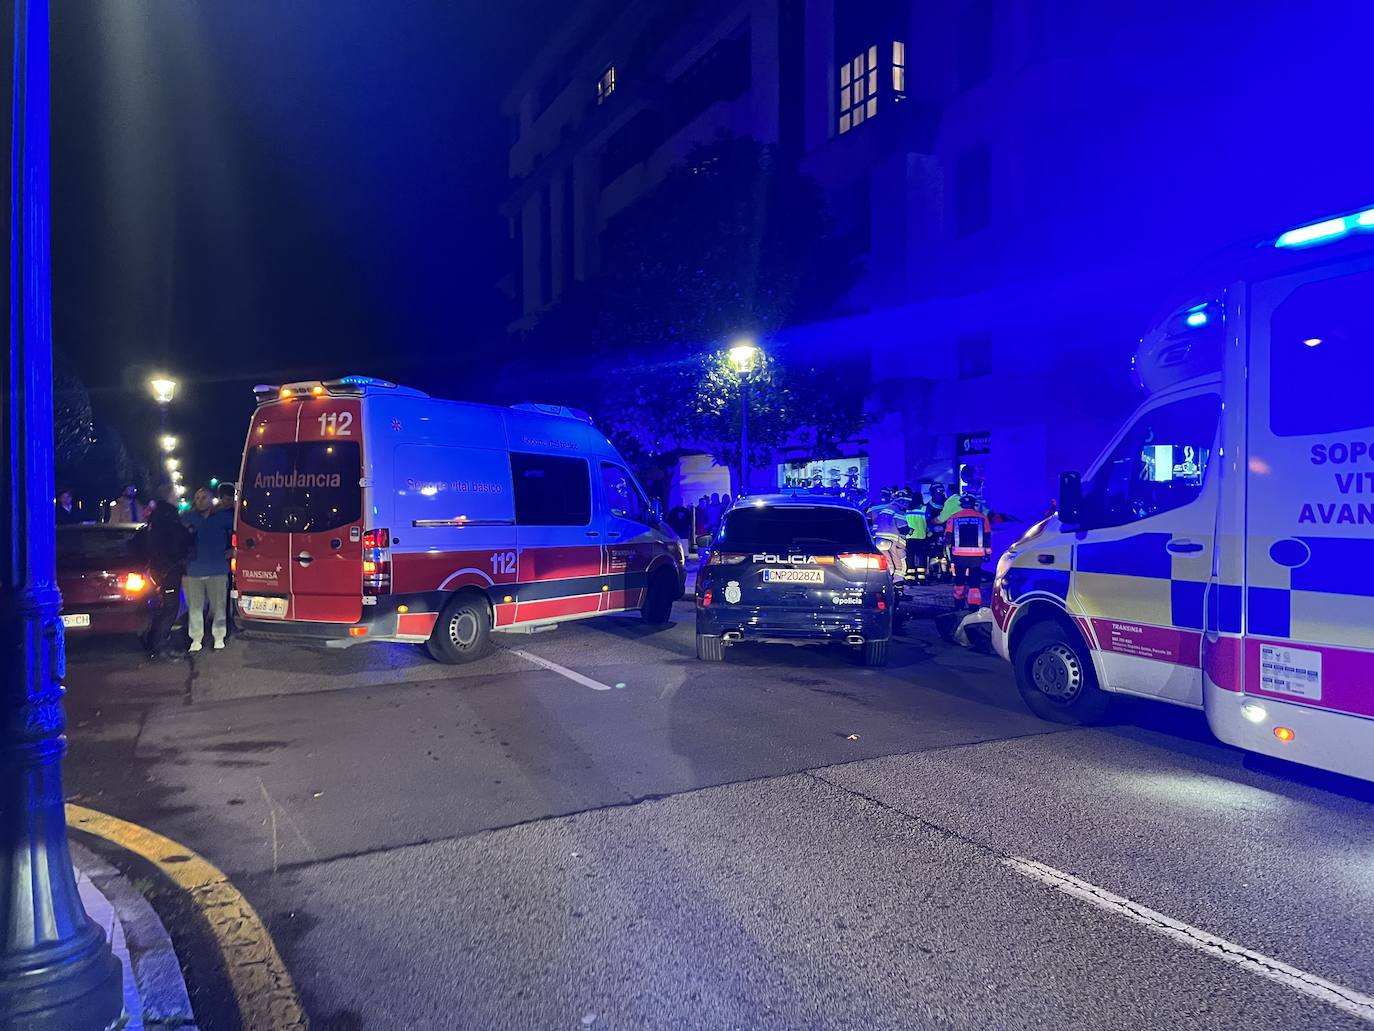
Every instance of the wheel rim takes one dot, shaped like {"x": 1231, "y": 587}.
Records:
{"x": 462, "y": 630}
{"x": 1058, "y": 674}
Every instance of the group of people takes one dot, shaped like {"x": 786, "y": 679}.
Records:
{"x": 702, "y": 518}
{"x": 947, "y": 533}
{"x": 187, "y": 552}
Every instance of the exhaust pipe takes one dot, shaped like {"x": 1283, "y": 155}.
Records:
{"x": 732, "y": 635}
{"x": 854, "y": 639}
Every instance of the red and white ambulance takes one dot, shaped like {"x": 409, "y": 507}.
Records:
{"x": 370, "y": 511}
{"x": 1220, "y": 553}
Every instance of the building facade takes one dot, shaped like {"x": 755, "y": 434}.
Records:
{"x": 1027, "y": 182}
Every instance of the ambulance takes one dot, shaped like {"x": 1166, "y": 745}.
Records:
{"x": 372, "y": 512}
{"x": 1220, "y": 552}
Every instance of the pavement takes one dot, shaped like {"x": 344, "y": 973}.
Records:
{"x": 592, "y": 829}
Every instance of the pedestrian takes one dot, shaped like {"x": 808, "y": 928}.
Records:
{"x": 970, "y": 538}
{"x": 66, "y": 515}
{"x": 207, "y": 572}
{"x": 164, "y": 543}
{"x": 126, "y": 508}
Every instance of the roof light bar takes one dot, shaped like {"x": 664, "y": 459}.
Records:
{"x": 1327, "y": 230}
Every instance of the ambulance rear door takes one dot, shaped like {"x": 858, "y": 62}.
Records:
{"x": 1309, "y": 584}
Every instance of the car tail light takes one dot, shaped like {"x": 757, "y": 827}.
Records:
{"x": 725, "y": 558}
{"x": 133, "y": 583}
{"x": 858, "y": 561}
{"x": 376, "y": 562}
{"x": 706, "y": 598}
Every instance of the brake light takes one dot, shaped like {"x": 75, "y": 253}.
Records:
{"x": 132, "y": 583}
{"x": 725, "y": 558}
{"x": 376, "y": 562}
{"x": 878, "y": 561}
{"x": 706, "y": 598}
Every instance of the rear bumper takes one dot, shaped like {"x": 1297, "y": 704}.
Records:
{"x": 125, "y": 618}
{"x": 379, "y": 622}
{"x": 795, "y": 625}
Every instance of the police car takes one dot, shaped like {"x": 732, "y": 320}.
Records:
{"x": 795, "y": 569}
{"x": 370, "y": 511}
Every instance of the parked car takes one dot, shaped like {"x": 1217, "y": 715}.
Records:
{"x": 795, "y": 569}
{"x": 104, "y": 589}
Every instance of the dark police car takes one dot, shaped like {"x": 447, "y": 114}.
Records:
{"x": 795, "y": 569}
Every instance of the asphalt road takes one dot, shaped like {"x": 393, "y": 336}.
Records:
{"x": 637, "y": 839}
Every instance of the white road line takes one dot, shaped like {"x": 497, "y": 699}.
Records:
{"x": 562, "y": 671}
{"x": 1318, "y": 988}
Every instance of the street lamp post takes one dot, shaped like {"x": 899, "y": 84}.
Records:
{"x": 56, "y": 968}
{"x": 744, "y": 355}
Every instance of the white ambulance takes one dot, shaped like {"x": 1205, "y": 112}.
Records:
{"x": 1220, "y": 552}
{"x": 369, "y": 511}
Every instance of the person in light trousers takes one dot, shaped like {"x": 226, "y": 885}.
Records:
{"x": 207, "y": 572}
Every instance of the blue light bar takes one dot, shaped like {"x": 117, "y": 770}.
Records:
{"x": 365, "y": 381}
{"x": 1326, "y": 230}
{"x": 1196, "y": 318}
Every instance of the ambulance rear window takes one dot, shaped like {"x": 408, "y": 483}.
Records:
{"x": 301, "y": 488}
{"x": 1321, "y": 358}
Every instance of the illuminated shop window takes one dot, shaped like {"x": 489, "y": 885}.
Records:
{"x": 605, "y": 85}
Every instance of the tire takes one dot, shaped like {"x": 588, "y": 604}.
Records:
{"x": 710, "y": 649}
{"x": 1055, "y": 676}
{"x": 874, "y": 653}
{"x": 657, "y": 609}
{"x": 463, "y": 631}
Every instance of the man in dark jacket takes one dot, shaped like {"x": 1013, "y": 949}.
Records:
{"x": 166, "y": 546}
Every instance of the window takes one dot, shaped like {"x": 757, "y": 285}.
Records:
{"x": 605, "y": 85}
{"x": 1321, "y": 357}
{"x": 1157, "y": 466}
{"x": 551, "y": 490}
{"x": 975, "y": 355}
{"x": 623, "y": 498}
{"x": 864, "y": 78}
{"x": 973, "y": 190}
{"x": 824, "y": 529}
{"x": 898, "y": 69}
{"x": 301, "y": 488}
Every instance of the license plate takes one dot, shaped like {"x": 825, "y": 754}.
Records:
{"x": 794, "y": 576}
{"x": 257, "y": 606}
{"x": 76, "y": 619}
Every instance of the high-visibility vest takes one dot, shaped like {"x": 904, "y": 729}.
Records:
{"x": 948, "y": 509}
{"x": 917, "y": 522}
{"x": 969, "y": 533}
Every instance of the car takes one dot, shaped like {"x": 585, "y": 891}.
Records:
{"x": 104, "y": 589}
{"x": 795, "y": 569}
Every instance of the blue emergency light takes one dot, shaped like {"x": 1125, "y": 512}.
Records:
{"x": 1327, "y": 230}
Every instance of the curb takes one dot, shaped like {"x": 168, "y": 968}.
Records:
{"x": 155, "y": 997}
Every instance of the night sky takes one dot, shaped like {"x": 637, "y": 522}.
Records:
{"x": 257, "y": 191}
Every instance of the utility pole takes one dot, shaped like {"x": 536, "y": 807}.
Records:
{"x": 56, "y": 969}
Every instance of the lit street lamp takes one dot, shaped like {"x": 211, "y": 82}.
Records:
{"x": 56, "y": 969}
{"x": 168, "y": 442}
{"x": 744, "y": 354}
{"x": 173, "y": 465}
{"x": 163, "y": 389}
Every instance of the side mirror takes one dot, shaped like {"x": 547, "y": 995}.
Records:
{"x": 656, "y": 509}
{"x": 703, "y": 539}
{"x": 1071, "y": 498}
{"x": 884, "y": 545}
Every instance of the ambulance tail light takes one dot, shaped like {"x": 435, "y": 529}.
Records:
{"x": 376, "y": 562}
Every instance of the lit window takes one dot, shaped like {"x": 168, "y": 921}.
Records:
{"x": 605, "y": 85}
{"x": 861, "y": 81}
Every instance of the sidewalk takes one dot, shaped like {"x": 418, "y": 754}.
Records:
{"x": 154, "y": 990}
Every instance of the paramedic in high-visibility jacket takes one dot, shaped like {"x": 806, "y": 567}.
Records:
{"x": 969, "y": 535}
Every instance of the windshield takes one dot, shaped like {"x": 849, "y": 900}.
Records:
{"x": 301, "y": 488}
{"x": 795, "y": 528}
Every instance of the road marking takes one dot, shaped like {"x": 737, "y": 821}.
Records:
{"x": 263, "y": 990}
{"x": 562, "y": 671}
{"x": 1318, "y": 988}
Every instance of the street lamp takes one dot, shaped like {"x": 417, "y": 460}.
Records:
{"x": 56, "y": 969}
{"x": 163, "y": 389}
{"x": 168, "y": 442}
{"x": 173, "y": 465}
{"x": 744, "y": 355}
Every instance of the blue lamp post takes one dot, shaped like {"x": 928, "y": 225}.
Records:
{"x": 56, "y": 968}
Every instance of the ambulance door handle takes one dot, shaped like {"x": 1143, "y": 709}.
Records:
{"x": 1180, "y": 546}
{"x": 305, "y": 558}
{"x": 1045, "y": 560}
{"x": 593, "y": 533}
{"x": 613, "y": 534}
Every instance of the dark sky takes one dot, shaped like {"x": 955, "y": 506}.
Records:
{"x": 257, "y": 190}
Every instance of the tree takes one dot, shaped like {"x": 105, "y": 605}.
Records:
{"x": 73, "y": 423}
{"x": 735, "y": 239}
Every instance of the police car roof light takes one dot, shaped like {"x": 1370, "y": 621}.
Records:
{"x": 1326, "y": 230}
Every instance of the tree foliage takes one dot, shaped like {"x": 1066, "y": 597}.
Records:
{"x": 73, "y": 422}
{"x": 734, "y": 240}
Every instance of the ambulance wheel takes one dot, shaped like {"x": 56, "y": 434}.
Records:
{"x": 463, "y": 632}
{"x": 1055, "y": 677}
{"x": 710, "y": 649}
{"x": 659, "y": 597}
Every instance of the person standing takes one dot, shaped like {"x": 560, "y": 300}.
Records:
{"x": 207, "y": 572}
{"x": 126, "y": 508}
{"x": 66, "y": 514}
{"x": 165, "y": 543}
{"x": 970, "y": 538}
